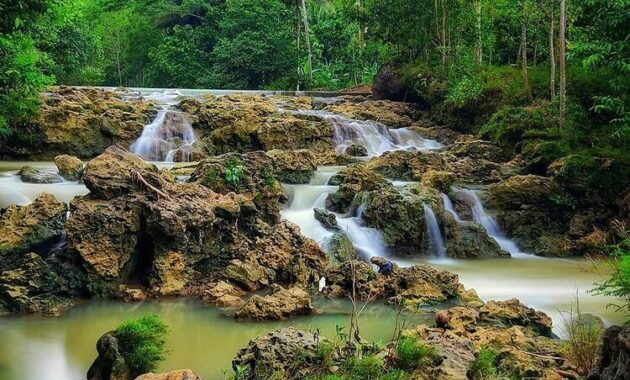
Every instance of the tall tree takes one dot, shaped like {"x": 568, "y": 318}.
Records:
{"x": 562, "y": 62}
{"x": 552, "y": 54}
{"x": 307, "y": 38}
{"x": 479, "y": 47}
{"x": 523, "y": 50}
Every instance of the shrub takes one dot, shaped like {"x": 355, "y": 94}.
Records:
{"x": 365, "y": 368}
{"x": 234, "y": 172}
{"x": 484, "y": 367}
{"x": 412, "y": 354}
{"x": 141, "y": 343}
{"x": 583, "y": 332}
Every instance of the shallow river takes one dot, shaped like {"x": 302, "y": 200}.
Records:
{"x": 205, "y": 340}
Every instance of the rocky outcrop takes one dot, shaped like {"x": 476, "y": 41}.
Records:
{"x": 614, "y": 357}
{"x": 136, "y": 227}
{"x": 69, "y": 167}
{"x": 389, "y": 114}
{"x": 277, "y": 353}
{"x": 29, "y": 174}
{"x": 280, "y": 305}
{"x": 110, "y": 363}
{"x": 294, "y": 167}
{"x": 341, "y": 249}
{"x": 468, "y": 240}
{"x": 513, "y": 312}
{"x": 356, "y": 150}
{"x": 353, "y": 181}
{"x": 405, "y": 165}
{"x": 388, "y": 84}
{"x": 326, "y": 219}
{"x": 81, "y": 122}
{"x": 182, "y": 374}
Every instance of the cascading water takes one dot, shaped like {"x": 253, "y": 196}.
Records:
{"x": 368, "y": 241}
{"x": 168, "y": 137}
{"x": 491, "y": 226}
{"x": 375, "y": 137}
{"x": 448, "y": 205}
{"x": 436, "y": 242}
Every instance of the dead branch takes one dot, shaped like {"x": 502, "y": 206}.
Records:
{"x": 137, "y": 177}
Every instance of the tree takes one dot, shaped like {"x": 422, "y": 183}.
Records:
{"x": 552, "y": 55}
{"x": 523, "y": 50}
{"x": 562, "y": 63}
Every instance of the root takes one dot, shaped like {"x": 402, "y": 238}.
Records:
{"x": 138, "y": 178}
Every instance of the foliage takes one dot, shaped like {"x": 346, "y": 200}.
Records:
{"x": 412, "y": 354}
{"x": 234, "y": 172}
{"x": 365, "y": 368}
{"x": 485, "y": 365}
{"x": 617, "y": 284}
{"x": 141, "y": 342}
{"x": 583, "y": 333}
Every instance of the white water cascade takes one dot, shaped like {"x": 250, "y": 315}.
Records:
{"x": 167, "y": 138}
{"x": 374, "y": 136}
{"x": 448, "y": 205}
{"x": 368, "y": 241}
{"x": 491, "y": 226}
{"x": 436, "y": 242}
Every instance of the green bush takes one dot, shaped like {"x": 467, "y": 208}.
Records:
{"x": 485, "y": 366}
{"x": 412, "y": 354}
{"x": 234, "y": 172}
{"x": 365, "y": 368}
{"x": 141, "y": 343}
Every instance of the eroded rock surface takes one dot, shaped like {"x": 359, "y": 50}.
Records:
{"x": 281, "y": 304}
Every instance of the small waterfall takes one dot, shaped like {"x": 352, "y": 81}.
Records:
{"x": 448, "y": 206}
{"x": 375, "y": 137}
{"x": 168, "y": 137}
{"x": 436, "y": 243}
{"x": 491, "y": 226}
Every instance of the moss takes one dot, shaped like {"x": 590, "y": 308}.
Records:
{"x": 365, "y": 368}
{"x": 412, "y": 354}
{"x": 485, "y": 365}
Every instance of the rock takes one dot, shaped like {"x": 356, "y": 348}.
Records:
{"x": 31, "y": 228}
{"x": 442, "y": 319}
{"x": 282, "y": 304}
{"x": 384, "y": 113}
{"x": 456, "y": 353}
{"x": 326, "y": 219}
{"x": 109, "y": 364}
{"x": 222, "y": 290}
{"x": 517, "y": 191}
{"x": 388, "y": 84}
{"x": 250, "y": 274}
{"x": 352, "y": 181}
{"x": 69, "y": 167}
{"x": 468, "y": 240}
{"x": 110, "y": 174}
{"x": 614, "y": 356}
{"x": 277, "y": 353}
{"x": 341, "y": 249}
{"x": 439, "y": 180}
{"x": 479, "y": 149}
{"x": 31, "y": 175}
{"x": 356, "y": 150}
{"x": 406, "y": 165}
{"x": 182, "y": 374}
{"x": 513, "y": 312}
{"x": 294, "y": 167}
{"x": 83, "y": 123}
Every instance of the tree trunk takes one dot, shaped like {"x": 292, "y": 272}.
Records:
{"x": 444, "y": 56}
{"x": 298, "y": 30}
{"x": 552, "y": 56}
{"x": 528, "y": 90}
{"x": 307, "y": 39}
{"x": 562, "y": 63}
{"x": 479, "y": 52}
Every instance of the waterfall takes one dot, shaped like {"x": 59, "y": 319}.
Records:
{"x": 448, "y": 205}
{"x": 168, "y": 137}
{"x": 491, "y": 226}
{"x": 436, "y": 243}
{"x": 374, "y": 136}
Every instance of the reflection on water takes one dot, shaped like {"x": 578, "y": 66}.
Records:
{"x": 200, "y": 337}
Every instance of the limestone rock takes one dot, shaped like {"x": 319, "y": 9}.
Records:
{"x": 389, "y": 114}
{"x": 294, "y": 167}
{"x": 280, "y": 305}
{"x": 469, "y": 240}
{"x": 352, "y": 181}
{"x": 614, "y": 357}
{"x": 340, "y": 248}
{"x": 513, "y": 312}
{"x": 109, "y": 364}
{"x": 277, "y": 352}
{"x": 406, "y": 165}
{"x": 70, "y": 167}
{"x": 249, "y": 274}
{"x": 479, "y": 149}
{"x": 356, "y": 150}
{"x": 326, "y": 219}
{"x": 29, "y": 174}
{"x": 28, "y": 228}
{"x": 182, "y": 374}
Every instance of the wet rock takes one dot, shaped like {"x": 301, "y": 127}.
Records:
{"x": 471, "y": 170}
{"x": 513, "y": 312}
{"x": 249, "y": 274}
{"x": 29, "y": 174}
{"x": 406, "y": 165}
{"x": 109, "y": 364}
{"x": 294, "y": 167}
{"x": 83, "y": 123}
{"x": 439, "y": 180}
{"x": 110, "y": 174}
{"x": 469, "y": 240}
{"x": 386, "y": 113}
{"x": 388, "y": 84}
{"x": 330, "y": 157}
{"x": 614, "y": 357}
{"x": 223, "y": 293}
{"x": 281, "y": 304}
{"x": 340, "y": 248}
{"x": 326, "y": 219}
{"x": 353, "y": 180}
{"x": 29, "y": 228}
{"x": 69, "y": 167}
{"x": 277, "y": 353}
{"x": 522, "y": 190}
{"x": 182, "y": 374}
{"x": 356, "y": 150}
{"x": 479, "y": 149}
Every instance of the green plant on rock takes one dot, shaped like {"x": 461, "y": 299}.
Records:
{"x": 211, "y": 179}
{"x": 412, "y": 354}
{"x": 485, "y": 365}
{"x": 141, "y": 343}
{"x": 583, "y": 332}
{"x": 365, "y": 368}
{"x": 241, "y": 372}
{"x": 234, "y": 171}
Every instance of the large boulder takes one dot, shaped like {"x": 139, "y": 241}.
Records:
{"x": 30, "y": 174}
{"x": 280, "y": 305}
{"x": 277, "y": 353}
{"x": 406, "y": 165}
{"x": 109, "y": 364}
{"x": 294, "y": 166}
{"x": 388, "y": 84}
{"x": 69, "y": 167}
{"x": 468, "y": 240}
{"x": 30, "y": 228}
{"x": 513, "y": 312}
{"x": 614, "y": 357}
{"x": 352, "y": 181}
